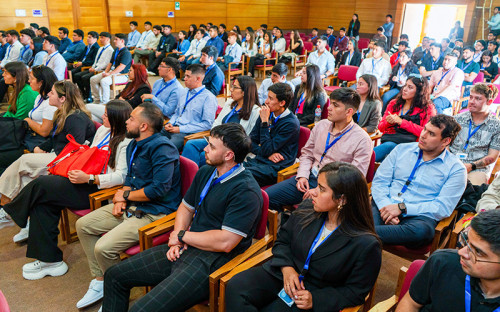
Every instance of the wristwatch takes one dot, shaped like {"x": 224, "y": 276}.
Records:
{"x": 265, "y": 124}
{"x": 402, "y": 207}
{"x": 126, "y": 194}
{"x": 91, "y": 179}
{"x": 473, "y": 166}
{"x": 180, "y": 235}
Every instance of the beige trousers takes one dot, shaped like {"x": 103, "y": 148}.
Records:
{"x": 477, "y": 177}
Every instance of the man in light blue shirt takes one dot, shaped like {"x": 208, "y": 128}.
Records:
{"x": 166, "y": 91}
{"x": 76, "y": 51}
{"x": 321, "y": 58}
{"x": 195, "y": 110}
{"x": 133, "y": 36}
{"x": 25, "y": 39}
{"x": 388, "y": 28}
{"x": 494, "y": 23}
{"x": 418, "y": 185}
{"x": 233, "y": 52}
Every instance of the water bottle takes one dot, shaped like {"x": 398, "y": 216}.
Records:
{"x": 317, "y": 114}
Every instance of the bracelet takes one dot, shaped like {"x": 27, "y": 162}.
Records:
{"x": 474, "y": 167}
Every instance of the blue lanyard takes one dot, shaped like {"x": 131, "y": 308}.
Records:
{"x": 400, "y": 72}
{"x": 401, "y": 112}
{"x": 104, "y": 142}
{"x": 220, "y": 36}
{"x": 313, "y": 38}
{"x": 313, "y": 248}
{"x": 442, "y": 77}
{"x": 231, "y": 113}
{"x": 86, "y": 53}
{"x": 210, "y": 68}
{"x": 397, "y": 58}
{"x": 211, "y": 183}
{"x": 274, "y": 121}
{"x": 475, "y": 56}
{"x": 116, "y": 54}
{"x": 189, "y": 100}
{"x": 145, "y": 37}
{"x": 48, "y": 61}
{"x": 470, "y": 134}
{"x": 328, "y": 146}
{"x": 100, "y": 53}
{"x": 232, "y": 47}
{"x": 483, "y": 67}
{"x": 165, "y": 85}
{"x": 24, "y": 51}
{"x": 373, "y": 64}
{"x": 54, "y": 132}
{"x": 349, "y": 57}
{"x": 132, "y": 159}
{"x": 357, "y": 116}
{"x": 300, "y": 103}
{"x": 8, "y": 50}
{"x": 464, "y": 68}
{"x": 435, "y": 62}
{"x": 412, "y": 175}
{"x": 196, "y": 49}
{"x": 37, "y": 106}
{"x": 468, "y": 295}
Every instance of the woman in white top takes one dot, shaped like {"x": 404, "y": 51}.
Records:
{"x": 43, "y": 198}
{"x": 265, "y": 49}
{"x": 242, "y": 108}
{"x": 249, "y": 46}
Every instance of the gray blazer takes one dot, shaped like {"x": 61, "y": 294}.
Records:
{"x": 370, "y": 115}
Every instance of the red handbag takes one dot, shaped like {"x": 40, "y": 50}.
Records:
{"x": 75, "y": 156}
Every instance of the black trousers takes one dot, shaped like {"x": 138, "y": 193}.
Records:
{"x": 255, "y": 290}
{"x": 178, "y": 285}
{"x": 264, "y": 174}
{"x": 3, "y": 89}
{"x": 82, "y": 79}
{"x": 253, "y": 62}
{"x": 42, "y": 201}
{"x": 154, "y": 61}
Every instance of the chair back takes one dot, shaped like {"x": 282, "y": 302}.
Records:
{"x": 497, "y": 99}
{"x": 363, "y": 43}
{"x": 308, "y": 46}
{"x": 371, "y": 169}
{"x": 410, "y": 274}
{"x": 479, "y": 78}
{"x": 219, "y": 109}
{"x": 273, "y": 54}
{"x": 261, "y": 227}
{"x": 4, "y": 306}
{"x": 224, "y": 50}
{"x": 303, "y": 137}
{"x": 324, "y": 112}
{"x": 287, "y": 43}
{"x": 223, "y": 89}
{"x": 188, "y": 171}
{"x": 347, "y": 72}
{"x": 97, "y": 125}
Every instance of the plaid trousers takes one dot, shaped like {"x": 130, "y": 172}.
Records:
{"x": 178, "y": 285}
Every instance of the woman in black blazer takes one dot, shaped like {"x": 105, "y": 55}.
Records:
{"x": 343, "y": 268}
{"x": 352, "y": 56}
{"x": 354, "y": 25}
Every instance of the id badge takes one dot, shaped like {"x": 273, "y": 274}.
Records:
{"x": 398, "y": 199}
{"x": 315, "y": 171}
{"x": 462, "y": 156}
{"x": 435, "y": 88}
{"x": 286, "y": 298}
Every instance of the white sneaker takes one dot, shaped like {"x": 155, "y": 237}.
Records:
{"x": 94, "y": 294}
{"x": 151, "y": 73}
{"x": 38, "y": 269}
{"x": 23, "y": 234}
{"x": 100, "y": 309}
{"x": 5, "y": 219}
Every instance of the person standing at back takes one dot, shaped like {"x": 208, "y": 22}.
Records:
{"x": 388, "y": 29}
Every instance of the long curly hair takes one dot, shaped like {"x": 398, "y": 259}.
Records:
{"x": 422, "y": 98}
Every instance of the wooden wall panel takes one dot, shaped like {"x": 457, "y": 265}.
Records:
{"x": 92, "y": 15}
{"x": 60, "y": 14}
{"x": 9, "y": 20}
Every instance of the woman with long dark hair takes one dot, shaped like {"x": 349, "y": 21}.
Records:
{"x": 488, "y": 67}
{"x": 38, "y": 52}
{"x": 22, "y": 100}
{"x": 354, "y": 25}
{"x": 405, "y": 116}
{"x": 249, "y": 47}
{"x": 137, "y": 86}
{"x": 243, "y": 107}
{"x": 265, "y": 47}
{"x": 327, "y": 251}
{"x": 309, "y": 95}
{"x": 368, "y": 114}
{"x": 352, "y": 56}
{"x": 294, "y": 50}
{"x": 237, "y": 30}
{"x": 43, "y": 198}
{"x": 191, "y": 32}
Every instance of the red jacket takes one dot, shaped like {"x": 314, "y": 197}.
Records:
{"x": 394, "y": 59}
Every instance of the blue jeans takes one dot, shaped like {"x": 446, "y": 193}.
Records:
{"x": 387, "y": 97}
{"x": 412, "y": 232}
{"x": 441, "y": 103}
{"x": 194, "y": 150}
{"x": 186, "y": 62}
{"x": 383, "y": 150}
{"x": 286, "y": 193}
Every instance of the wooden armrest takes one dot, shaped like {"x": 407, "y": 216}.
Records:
{"x": 384, "y": 89}
{"x": 350, "y": 83}
{"x": 376, "y": 136}
{"x": 287, "y": 172}
{"x": 299, "y": 57}
{"x": 198, "y": 135}
{"x": 269, "y": 59}
{"x": 443, "y": 231}
{"x": 156, "y": 223}
{"x": 459, "y": 226}
{"x": 352, "y": 309}
{"x": 250, "y": 263}
{"x": 311, "y": 126}
{"x": 385, "y": 305}
{"x": 98, "y": 197}
{"x": 154, "y": 229}
{"x": 85, "y": 68}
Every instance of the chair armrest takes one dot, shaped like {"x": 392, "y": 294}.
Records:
{"x": 98, "y": 197}
{"x": 384, "y": 89}
{"x": 272, "y": 225}
{"x": 459, "y": 226}
{"x": 350, "y": 83}
{"x": 85, "y": 68}
{"x": 352, "y": 309}
{"x": 311, "y": 126}
{"x": 198, "y": 135}
{"x": 154, "y": 229}
{"x": 375, "y": 136}
{"x": 286, "y": 173}
{"x": 443, "y": 232}
{"x": 250, "y": 263}
{"x": 299, "y": 57}
{"x": 385, "y": 305}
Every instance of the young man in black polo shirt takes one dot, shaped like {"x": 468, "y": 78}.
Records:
{"x": 275, "y": 136}
{"x": 226, "y": 204}
{"x": 432, "y": 62}
{"x": 467, "y": 280}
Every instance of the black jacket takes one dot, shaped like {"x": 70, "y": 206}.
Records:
{"x": 342, "y": 271}
{"x": 355, "y": 29}
{"x": 307, "y": 116}
{"x": 135, "y": 99}
{"x": 354, "y": 61}
{"x": 166, "y": 44}
{"x": 89, "y": 60}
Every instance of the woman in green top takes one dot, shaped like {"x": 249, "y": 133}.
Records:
{"x": 23, "y": 99}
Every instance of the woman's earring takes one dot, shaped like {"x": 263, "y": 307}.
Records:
{"x": 340, "y": 206}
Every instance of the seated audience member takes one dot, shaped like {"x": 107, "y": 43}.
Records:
{"x": 43, "y": 198}
{"x": 459, "y": 43}
{"x": 148, "y": 45}
{"x": 71, "y": 117}
{"x": 137, "y": 87}
{"x": 445, "y": 46}
{"x": 279, "y": 43}
{"x": 340, "y": 44}
{"x": 458, "y": 52}
{"x": 152, "y": 189}
{"x": 308, "y": 96}
{"x": 405, "y": 117}
{"x": 493, "y": 47}
{"x": 242, "y": 108}
{"x": 191, "y": 32}
{"x": 119, "y": 64}
{"x": 294, "y": 50}
{"x": 376, "y": 66}
{"x": 166, "y": 91}
{"x": 417, "y": 185}
{"x": 237, "y": 30}
{"x": 222, "y": 32}
{"x": 446, "y": 83}
{"x": 34, "y": 27}
{"x": 206, "y": 36}
{"x": 166, "y": 45}
{"x": 103, "y": 58}
{"x": 146, "y": 36}
{"x": 402, "y": 46}
{"x": 275, "y": 136}
{"x": 478, "y": 143}
{"x": 4, "y": 44}
{"x": 193, "y": 55}
{"x": 400, "y": 73}
{"x": 395, "y": 47}
{"x": 368, "y": 114}
{"x": 330, "y": 37}
{"x": 278, "y": 74}
{"x": 214, "y": 77}
{"x": 321, "y": 58}
{"x": 469, "y": 67}
{"x": 224, "y": 226}
{"x": 368, "y": 52}
{"x": 76, "y": 50}
{"x": 479, "y": 47}
{"x": 433, "y": 62}
{"x": 421, "y": 52}
{"x": 36, "y": 45}
{"x": 314, "y": 36}
{"x": 496, "y": 57}
{"x": 330, "y": 280}
{"x": 472, "y": 270}
{"x": 89, "y": 54}
{"x": 380, "y": 37}
{"x": 43, "y": 32}
{"x": 352, "y": 56}
{"x": 489, "y": 69}
{"x": 265, "y": 49}
{"x": 249, "y": 46}
{"x": 63, "y": 33}
{"x": 490, "y": 199}
{"x": 233, "y": 52}
{"x": 337, "y": 138}
{"x": 13, "y": 50}
{"x": 182, "y": 45}
{"x": 215, "y": 40}
{"x": 21, "y": 102}
{"x": 195, "y": 109}
{"x": 133, "y": 36}
{"x": 54, "y": 60}
{"x": 25, "y": 38}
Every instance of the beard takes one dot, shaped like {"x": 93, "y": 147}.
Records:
{"x": 132, "y": 134}
{"x": 213, "y": 162}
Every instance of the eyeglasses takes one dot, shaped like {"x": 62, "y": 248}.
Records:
{"x": 463, "y": 241}
{"x": 206, "y": 139}
{"x": 232, "y": 87}
{"x": 164, "y": 66}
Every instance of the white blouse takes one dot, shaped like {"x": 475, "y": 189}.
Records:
{"x": 42, "y": 110}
